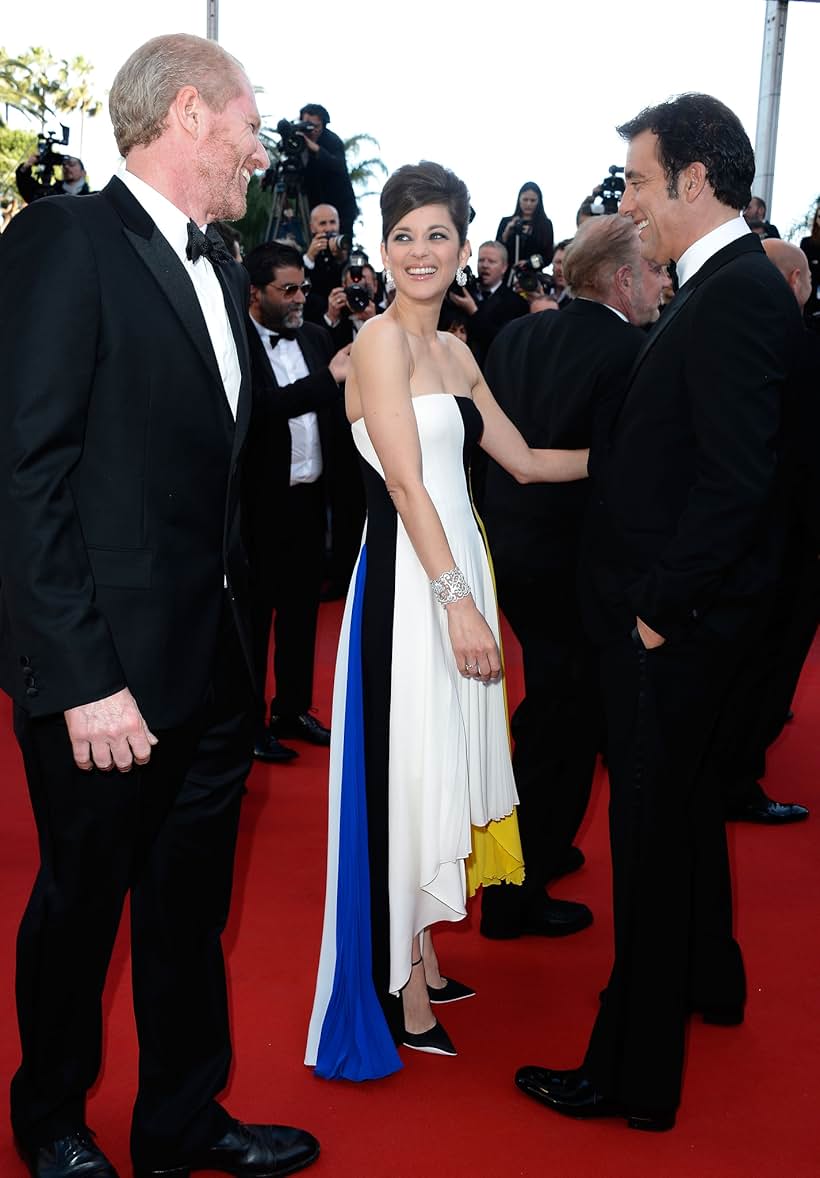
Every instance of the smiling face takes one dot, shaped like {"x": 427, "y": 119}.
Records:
{"x": 423, "y": 252}
{"x": 661, "y": 219}
{"x": 229, "y": 155}
{"x": 280, "y": 305}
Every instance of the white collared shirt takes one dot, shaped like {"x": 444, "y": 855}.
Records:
{"x": 172, "y": 223}
{"x": 700, "y": 251}
{"x": 288, "y": 365}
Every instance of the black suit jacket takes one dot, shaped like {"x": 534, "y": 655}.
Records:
{"x": 502, "y": 306}
{"x": 682, "y": 532}
{"x": 266, "y": 478}
{"x": 560, "y": 379}
{"x": 119, "y": 463}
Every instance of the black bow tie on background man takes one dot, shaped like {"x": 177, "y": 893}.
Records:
{"x": 206, "y": 245}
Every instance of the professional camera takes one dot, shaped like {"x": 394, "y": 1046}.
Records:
{"x": 609, "y": 192}
{"x": 342, "y": 242}
{"x": 357, "y": 294}
{"x": 292, "y": 141}
{"x": 47, "y": 158}
{"x": 470, "y": 287}
{"x": 528, "y": 273}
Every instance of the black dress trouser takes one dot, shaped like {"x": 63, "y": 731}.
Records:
{"x": 674, "y": 948}
{"x": 164, "y": 833}
{"x": 556, "y": 727}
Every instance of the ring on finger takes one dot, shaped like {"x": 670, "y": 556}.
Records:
{"x": 469, "y": 666}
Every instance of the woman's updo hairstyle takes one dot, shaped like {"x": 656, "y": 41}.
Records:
{"x": 414, "y": 186}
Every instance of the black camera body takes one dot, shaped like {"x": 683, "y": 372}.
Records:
{"x": 47, "y": 158}
{"x": 357, "y": 294}
{"x": 528, "y": 273}
{"x": 612, "y": 189}
{"x": 289, "y": 133}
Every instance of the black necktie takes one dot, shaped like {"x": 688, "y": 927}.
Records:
{"x": 206, "y": 245}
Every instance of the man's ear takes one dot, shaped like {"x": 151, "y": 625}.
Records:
{"x": 693, "y": 181}
{"x": 186, "y": 109}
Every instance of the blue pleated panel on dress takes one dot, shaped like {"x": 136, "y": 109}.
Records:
{"x": 355, "y": 1042}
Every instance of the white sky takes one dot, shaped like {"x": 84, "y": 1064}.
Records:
{"x": 501, "y": 93}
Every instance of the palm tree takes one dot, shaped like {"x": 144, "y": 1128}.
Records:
{"x": 362, "y": 172}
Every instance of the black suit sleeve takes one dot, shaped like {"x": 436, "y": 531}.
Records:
{"x": 735, "y": 375}
{"x": 48, "y": 343}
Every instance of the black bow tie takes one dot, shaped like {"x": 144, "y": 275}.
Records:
{"x": 274, "y": 339}
{"x": 206, "y": 245}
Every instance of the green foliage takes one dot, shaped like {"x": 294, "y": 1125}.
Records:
{"x": 15, "y": 146}
{"x": 39, "y": 85}
{"x": 362, "y": 172}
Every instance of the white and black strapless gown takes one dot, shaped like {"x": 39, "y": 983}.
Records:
{"x": 420, "y": 772}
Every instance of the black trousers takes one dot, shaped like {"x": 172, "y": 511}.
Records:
{"x": 291, "y": 587}
{"x": 557, "y": 726}
{"x": 674, "y": 949}
{"x": 165, "y": 833}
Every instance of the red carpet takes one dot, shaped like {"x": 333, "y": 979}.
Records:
{"x": 750, "y": 1106}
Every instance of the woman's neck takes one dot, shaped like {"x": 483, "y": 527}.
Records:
{"x": 419, "y": 319}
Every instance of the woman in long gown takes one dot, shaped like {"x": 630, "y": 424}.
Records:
{"x": 422, "y": 795}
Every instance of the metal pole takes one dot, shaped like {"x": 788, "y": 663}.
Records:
{"x": 768, "y": 107}
{"x": 213, "y": 20}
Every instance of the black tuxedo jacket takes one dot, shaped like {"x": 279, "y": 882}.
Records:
{"x": 493, "y": 313}
{"x": 682, "y": 531}
{"x": 266, "y": 478}
{"x": 119, "y": 463}
{"x": 560, "y": 379}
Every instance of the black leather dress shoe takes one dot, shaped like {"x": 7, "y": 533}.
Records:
{"x": 571, "y": 1094}
{"x": 304, "y": 727}
{"x": 247, "y": 1151}
{"x": 546, "y": 918}
{"x": 769, "y": 812}
{"x": 74, "y": 1156}
{"x": 267, "y": 748}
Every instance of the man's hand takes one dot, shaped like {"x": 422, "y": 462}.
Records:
{"x": 367, "y": 313}
{"x": 649, "y": 637}
{"x": 317, "y": 246}
{"x": 340, "y": 365}
{"x": 464, "y": 301}
{"x": 336, "y": 303}
{"x": 109, "y": 733}
{"x": 309, "y": 143}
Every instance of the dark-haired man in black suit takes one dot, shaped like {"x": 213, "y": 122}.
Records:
{"x": 496, "y": 304}
{"x": 560, "y": 379}
{"x": 296, "y": 379}
{"x": 124, "y": 616}
{"x": 683, "y": 549}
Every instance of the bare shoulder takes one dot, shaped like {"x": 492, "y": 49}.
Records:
{"x": 462, "y": 355}
{"x": 381, "y": 331}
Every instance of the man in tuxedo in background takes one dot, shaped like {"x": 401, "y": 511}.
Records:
{"x": 682, "y": 548}
{"x": 496, "y": 305}
{"x": 296, "y": 379}
{"x": 560, "y": 379}
{"x": 125, "y": 620}
{"x": 761, "y": 692}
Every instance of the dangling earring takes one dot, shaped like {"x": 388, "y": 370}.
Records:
{"x": 389, "y": 284}
{"x": 461, "y": 277}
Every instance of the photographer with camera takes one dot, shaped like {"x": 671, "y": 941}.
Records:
{"x": 326, "y": 178}
{"x": 529, "y": 230}
{"x": 31, "y": 188}
{"x": 324, "y": 260}
{"x": 354, "y": 302}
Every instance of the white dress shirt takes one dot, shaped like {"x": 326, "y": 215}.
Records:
{"x": 700, "y": 251}
{"x": 288, "y": 365}
{"x": 173, "y": 225}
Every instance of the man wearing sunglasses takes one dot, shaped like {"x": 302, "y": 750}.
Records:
{"x": 296, "y": 383}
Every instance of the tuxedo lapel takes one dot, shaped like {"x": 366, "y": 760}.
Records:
{"x": 717, "y": 261}
{"x": 158, "y": 256}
